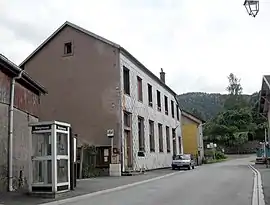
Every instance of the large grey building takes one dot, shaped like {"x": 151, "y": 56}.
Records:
{"x": 97, "y": 85}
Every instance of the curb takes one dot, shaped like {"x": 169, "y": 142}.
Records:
{"x": 81, "y": 197}
{"x": 257, "y": 194}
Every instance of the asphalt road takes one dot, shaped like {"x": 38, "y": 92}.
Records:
{"x": 217, "y": 184}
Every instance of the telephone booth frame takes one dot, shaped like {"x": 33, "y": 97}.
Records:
{"x": 50, "y": 159}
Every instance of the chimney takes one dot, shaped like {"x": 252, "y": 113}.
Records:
{"x": 162, "y": 76}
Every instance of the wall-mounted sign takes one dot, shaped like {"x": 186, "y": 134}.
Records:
{"x": 110, "y": 133}
{"x": 141, "y": 154}
{"x": 60, "y": 127}
{"x": 41, "y": 128}
{"x": 106, "y": 159}
{"x": 106, "y": 152}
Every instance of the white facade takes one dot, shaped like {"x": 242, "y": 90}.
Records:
{"x": 131, "y": 104}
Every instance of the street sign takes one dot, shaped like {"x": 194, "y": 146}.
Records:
{"x": 110, "y": 133}
{"x": 41, "y": 128}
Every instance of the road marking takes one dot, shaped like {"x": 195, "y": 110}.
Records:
{"x": 76, "y": 198}
{"x": 257, "y": 195}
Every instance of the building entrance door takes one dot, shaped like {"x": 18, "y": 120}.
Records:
{"x": 128, "y": 150}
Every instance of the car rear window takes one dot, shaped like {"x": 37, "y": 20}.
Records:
{"x": 179, "y": 157}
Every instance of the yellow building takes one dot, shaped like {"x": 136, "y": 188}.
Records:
{"x": 192, "y": 135}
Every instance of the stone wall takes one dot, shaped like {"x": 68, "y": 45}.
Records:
{"x": 21, "y": 146}
{"x": 247, "y": 148}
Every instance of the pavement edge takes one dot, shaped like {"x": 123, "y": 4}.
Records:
{"x": 257, "y": 195}
{"x": 76, "y": 198}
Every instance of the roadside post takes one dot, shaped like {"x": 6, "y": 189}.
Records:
{"x": 115, "y": 166}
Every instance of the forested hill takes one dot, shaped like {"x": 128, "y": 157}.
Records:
{"x": 204, "y": 105}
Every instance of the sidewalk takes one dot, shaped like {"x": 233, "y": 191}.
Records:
{"x": 85, "y": 186}
{"x": 265, "y": 174}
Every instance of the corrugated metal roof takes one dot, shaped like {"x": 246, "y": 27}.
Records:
{"x": 25, "y": 77}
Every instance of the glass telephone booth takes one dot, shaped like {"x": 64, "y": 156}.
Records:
{"x": 50, "y": 161}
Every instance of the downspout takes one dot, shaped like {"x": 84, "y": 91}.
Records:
{"x": 179, "y": 125}
{"x": 10, "y": 131}
{"x": 121, "y": 131}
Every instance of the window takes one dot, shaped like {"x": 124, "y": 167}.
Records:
{"x": 141, "y": 133}
{"x": 139, "y": 85}
{"x": 174, "y": 141}
{"x": 160, "y": 136}
{"x": 172, "y": 107}
{"x": 173, "y": 133}
{"x": 150, "y": 95}
{"x": 127, "y": 119}
{"x": 166, "y": 105}
{"x": 177, "y": 112}
{"x": 126, "y": 81}
{"x": 183, "y": 157}
{"x": 179, "y": 143}
{"x": 152, "y": 136}
{"x": 62, "y": 144}
{"x": 168, "y": 139}
{"x": 158, "y": 101}
{"x": 103, "y": 156}
{"x": 68, "y": 48}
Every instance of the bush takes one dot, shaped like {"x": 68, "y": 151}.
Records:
{"x": 204, "y": 160}
{"x": 209, "y": 153}
{"x": 220, "y": 155}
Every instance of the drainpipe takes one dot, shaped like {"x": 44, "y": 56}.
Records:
{"x": 10, "y": 131}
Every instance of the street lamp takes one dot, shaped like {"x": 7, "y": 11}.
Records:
{"x": 252, "y": 7}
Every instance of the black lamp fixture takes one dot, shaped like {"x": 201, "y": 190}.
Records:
{"x": 252, "y": 7}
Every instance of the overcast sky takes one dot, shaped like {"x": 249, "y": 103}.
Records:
{"x": 197, "y": 42}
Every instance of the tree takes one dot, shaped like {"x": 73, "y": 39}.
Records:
{"x": 197, "y": 113}
{"x": 239, "y": 122}
{"x": 234, "y": 87}
{"x": 235, "y": 99}
{"x": 231, "y": 127}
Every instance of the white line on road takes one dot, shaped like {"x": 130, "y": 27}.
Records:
{"x": 257, "y": 195}
{"x": 76, "y": 198}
